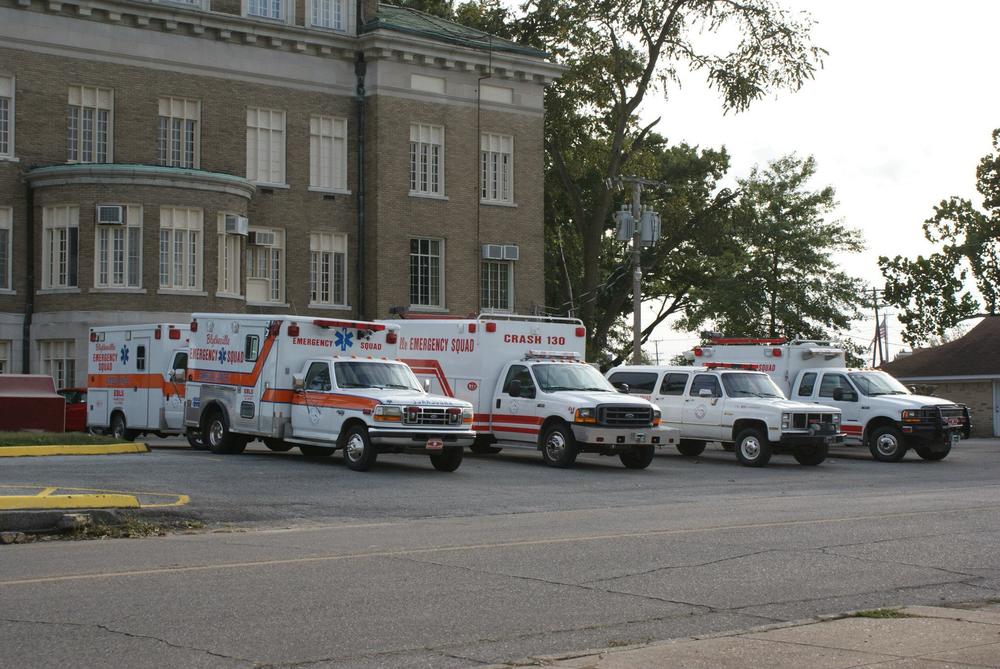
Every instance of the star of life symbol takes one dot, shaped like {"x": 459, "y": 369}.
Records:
{"x": 343, "y": 340}
{"x": 222, "y": 356}
{"x": 123, "y": 354}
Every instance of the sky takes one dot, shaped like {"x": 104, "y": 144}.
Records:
{"x": 898, "y": 119}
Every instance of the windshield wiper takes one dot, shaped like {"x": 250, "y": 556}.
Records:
{"x": 359, "y": 385}
{"x": 399, "y": 386}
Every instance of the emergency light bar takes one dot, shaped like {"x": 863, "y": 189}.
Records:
{"x": 749, "y": 340}
{"x": 554, "y": 355}
{"x": 324, "y": 323}
{"x": 733, "y": 365}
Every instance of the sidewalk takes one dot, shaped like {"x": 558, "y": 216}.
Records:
{"x": 926, "y": 638}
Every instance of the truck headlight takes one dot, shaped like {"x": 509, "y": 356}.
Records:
{"x": 387, "y": 414}
{"x": 912, "y": 415}
{"x": 585, "y": 416}
{"x": 467, "y": 415}
{"x": 786, "y": 420}
{"x": 656, "y": 417}
{"x": 835, "y": 418}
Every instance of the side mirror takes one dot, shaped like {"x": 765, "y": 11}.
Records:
{"x": 838, "y": 394}
{"x": 298, "y": 382}
{"x": 427, "y": 385}
{"x": 514, "y": 389}
{"x": 705, "y": 392}
{"x": 177, "y": 375}
{"x": 623, "y": 388}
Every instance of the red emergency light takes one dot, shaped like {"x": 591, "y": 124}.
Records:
{"x": 472, "y": 328}
{"x": 293, "y": 330}
{"x": 174, "y": 333}
{"x": 697, "y": 352}
{"x": 391, "y": 337}
{"x": 581, "y": 332}
{"x": 194, "y": 326}
{"x": 776, "y": 352}
{"x": 491, "y": 327}
{"x": 93, "y": 336}
{"x": 156, "y": 333}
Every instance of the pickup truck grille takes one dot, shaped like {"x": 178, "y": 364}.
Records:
{"x": 952, "y": 415}
{"x": 624, "y": 416}
{"x": 416, "y": 415}
{"x": 802, "y": 421}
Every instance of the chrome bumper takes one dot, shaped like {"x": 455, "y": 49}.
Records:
{"x": 417, "y": 438}
{"x": 595, "y": 435}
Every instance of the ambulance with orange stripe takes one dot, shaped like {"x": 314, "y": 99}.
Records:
{"x": 531, "y": 388}
{"x": 318, "y": 384}
{"x": 135, "y": 380}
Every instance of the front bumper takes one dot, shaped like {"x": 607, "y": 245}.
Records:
{"x": 418, "y": 438}
{"x": 596, "y": 435}
{"x": 800, "y": 439}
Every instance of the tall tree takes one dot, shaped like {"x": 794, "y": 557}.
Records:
{"x": 933, "y": 293}
{"x": 787, "y": 281}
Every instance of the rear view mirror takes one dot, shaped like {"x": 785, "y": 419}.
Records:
{"x": 623, "y": 388}
{"x": 838, "y": 394}
{"x": 514, "y": 389}
{"x": 705, "y": 392}
{"x": 177, "y": 375}
{"x": 298, "y": 382}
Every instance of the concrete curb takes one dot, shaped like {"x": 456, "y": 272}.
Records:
{"x": 72, "y": 449}
{"x": 44, "y": 521}
{"x": 38, "y": 502}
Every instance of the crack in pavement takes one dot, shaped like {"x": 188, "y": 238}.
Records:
{"x": 683, "y": 566}
{"x": 130, "y": 635}
{"x": 827, "y": 551}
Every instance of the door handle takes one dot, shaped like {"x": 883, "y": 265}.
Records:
{"x": 498, "y": 404}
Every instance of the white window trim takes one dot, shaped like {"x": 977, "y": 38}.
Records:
{"x": 6, "y": 346}
{"x": 442, "y": 189}
{"x": 338, "y": 162}
{"x": 132, "y": 211}
{"x": 72, "y": 222}
{"x": 284, "y": 149}
{"x": 487, "y": 137}
{"x": 12, "y": 115}
{"x": 111, "y": 126}
{"x": 331, "y": 304}
{"x": 199, "y": 267}
{"x": 198, "y": 4}
{"x": 222, "y": 239}
{"x": 345, "y": 16}
{"x": 171, "y": 100}
{"x": 7, "y": 223}
{"x": 287, "y": 11}
{"x": 442, "y": 306}
{"x": 510, "y": 287}
{"x": 69, "y": 360}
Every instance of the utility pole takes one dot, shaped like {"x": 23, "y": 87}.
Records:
{"x": 878, "y": 330}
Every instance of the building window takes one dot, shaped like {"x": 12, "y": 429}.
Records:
{"x": 178, "y": 137}
{"x": 229, "y": 259}
{"x": 497, "y": 292}
{"x": 118, "y": 246}
{"x": 6, "y": 117}
{"x": 497, "y": 163}
{"x": 266, "y": 146}
{"x": 427, "y": 273}
{"x": 180, "y": 248}
{"x": 426, "y": 159}
{"x": 328, "y": 14}
{"x": 268, "y": 9}
{"x": 6, "y": 232}
{"x": 328, "y": 269}
{"x": 89, "y": 133}
{"x": 265, "y": 265}
{"x": 60, "y": 244}
{"x": 328, "y": 153}
{"x": 5, "y": 357}
{"x": 58, "y": 360}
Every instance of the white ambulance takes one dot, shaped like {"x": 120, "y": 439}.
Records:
{"x": 531, "y": 389}
{"x": 318, "y": 384}
{"x": 133, "y": 386}
{"x": 877, "y": 410}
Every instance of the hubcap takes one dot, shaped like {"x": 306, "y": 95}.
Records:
{"x": 750, "y": 448}
{"x": 216, "y": 432}
{"x": 555, "y": 445}
{"x": 355, "y": 447}
{"x": 886, "y": 444}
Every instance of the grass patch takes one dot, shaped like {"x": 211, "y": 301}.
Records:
{"x": 53, "y": 438}
{"x": 131, "y": 527}
{"x": 882, "y": 613}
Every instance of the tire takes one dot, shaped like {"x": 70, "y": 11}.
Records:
{"x": 195, "y": 441}
{"x": 309, "y": 451}
{"x": 886, "y": 444}
{"x": 933, "y": 456}
{"x": 447, "y": 460}
{"x": 812, "y": 456}
{"x": 483, "y": 446}
{"x": 278, "y": 445}
{"x": 118, "y": 429}
{"x": 691, "y": 448}
{"x": 359, "y": 454}
{"x": 559, "y": 446}
{"x": 752, "y": 448}
{"x": 638, "y": 457}
{"x": 218, "y": 437}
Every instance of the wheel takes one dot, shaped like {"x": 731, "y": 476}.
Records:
{"x": 638, "y": 457}
{"x": 359, "y": 454}
{"x": 278, "y": 445}
{"x": 752, "y": 448}
{"x": 691, "y": 447}
{"x": 220, "y": 440}
{"x": 118, "y": 430}
{"x": 559, "y": 446}
{"x": 886, "y": 444}
{"x": 308, "y": 451}
{"x": 928, "y": 454}
{"x": 483, "y": 446}
{"x": 195, "y": 440}
{"x": 447, "y": 460}
{"x": 812, "y": 456}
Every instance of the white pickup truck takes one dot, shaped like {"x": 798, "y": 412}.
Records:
{"x": 743, "y": 410}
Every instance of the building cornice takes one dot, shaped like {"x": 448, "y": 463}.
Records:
{"x": 139, "y": 175}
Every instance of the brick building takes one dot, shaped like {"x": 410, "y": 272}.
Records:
{"x": 159, "y": 157}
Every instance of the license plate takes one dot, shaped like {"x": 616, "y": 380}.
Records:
{"x": 639, "y": 437}
{"x": 954, "y": 421}
{"x": 435, "y": 444}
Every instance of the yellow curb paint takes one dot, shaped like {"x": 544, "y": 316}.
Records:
{"x": 71, "y": 449}
{"x": 47, "y": 492}
{"x": 27, "y": 502}
{"x": 181, "y": 501}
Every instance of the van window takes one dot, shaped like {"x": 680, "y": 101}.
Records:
{"x": 833, "y": 381}
{"x": 521, "y": 373}
{"x": 807, "y": 384}
{"x": 705, "y": 381}
{"x": 251, "y": 348}
{"x": 140, "y": 358}
{"x": 673, "y": 384}
{"x": 318, "y": 377}
{"x": 638, "y": 382}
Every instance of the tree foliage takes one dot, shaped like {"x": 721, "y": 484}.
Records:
{"x": 932, "y": 292}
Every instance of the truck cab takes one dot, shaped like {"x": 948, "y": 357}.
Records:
{"x": 741, "y": 409}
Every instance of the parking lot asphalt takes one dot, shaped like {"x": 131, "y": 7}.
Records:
{"x": 307, "y": 562}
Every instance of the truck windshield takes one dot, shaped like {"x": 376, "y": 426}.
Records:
{"x": 877, "y": 383}
{"x": 750, "y": 385}
{"x": 556, "y": 377}
{"x": 375, "y": 375}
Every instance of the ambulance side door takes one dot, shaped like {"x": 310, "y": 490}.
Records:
{"x": 513, "y": 414}
{"x": 173, "y": 390}
{"x": 313, "y": 413}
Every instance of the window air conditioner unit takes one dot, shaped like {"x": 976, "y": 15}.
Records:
{"x": 510, "y": 252}
{"x": 110, "y": 214}
{"x": 492, "y": 252}
{"x": 237, "y": 225}
{"x": 260, "y": 238}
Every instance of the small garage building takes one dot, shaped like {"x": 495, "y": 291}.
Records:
{"x": 966, "y": 371}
